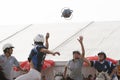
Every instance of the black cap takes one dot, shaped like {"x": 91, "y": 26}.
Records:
{"x": 76, "y": 52}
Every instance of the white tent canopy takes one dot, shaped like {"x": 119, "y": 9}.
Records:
{"x": 98, "y": 36}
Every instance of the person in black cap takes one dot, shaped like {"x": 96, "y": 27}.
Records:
{"x": 103, "y": 65}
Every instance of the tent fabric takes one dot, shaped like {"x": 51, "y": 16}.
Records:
{"x": 23, "y": 40}
{"x": 98, "y": 36}
{"x": 25, "y": 65}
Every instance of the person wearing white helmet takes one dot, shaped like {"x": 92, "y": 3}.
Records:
{"x": 105, "y": 66}
{"x": 39, "y": 39}
{"x": 41, "y": 52}
{"x": 7, "y": 61}
{"x": 37, "y": 57}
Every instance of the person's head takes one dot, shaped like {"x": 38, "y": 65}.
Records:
{"x": 39, "y": 39}
{"x": 101, "y": 56}
{"x": 8, "y": 49}
{"x": 76, "y": 54}
{"x": 90, "y": 77}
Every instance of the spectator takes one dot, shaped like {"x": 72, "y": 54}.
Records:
{"x": 90, "y": 77}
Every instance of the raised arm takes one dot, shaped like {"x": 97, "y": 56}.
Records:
{"x": 49, "y": 52}
{"x": 47, "y": 43}
{"x": 82, "y": 46}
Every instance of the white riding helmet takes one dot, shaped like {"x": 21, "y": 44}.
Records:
{"x": 8, "y": 45}
{"x": 39, "y": 38}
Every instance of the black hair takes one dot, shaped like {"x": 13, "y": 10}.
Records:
{"x": 89, "y": 76}
{"x": 38, "y": 43}
{"x": 76, "y": 52}
{"x": 6, "y": 50}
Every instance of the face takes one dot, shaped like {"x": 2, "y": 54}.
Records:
{"x": 76, "y": 56}
{"x": 100, "y": 57}
{"x": 10, "y": 51}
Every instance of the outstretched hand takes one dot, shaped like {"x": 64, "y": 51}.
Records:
{"x": 56, "y": 53}
{"x": 47, "y": 35}
{"x": 24, "y": 70}
{"x": 80, "y": 39}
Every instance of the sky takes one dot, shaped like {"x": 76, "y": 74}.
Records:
{"x": 17, "y": 14}
{"x": 14, "y": 12}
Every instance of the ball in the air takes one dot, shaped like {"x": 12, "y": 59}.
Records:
{"x": 66, "y": 13}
